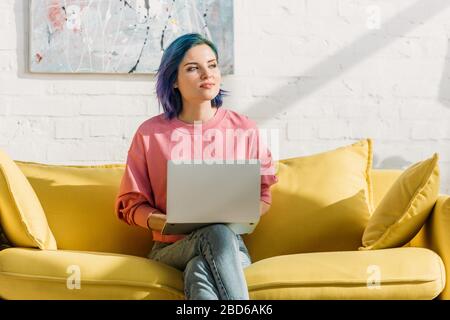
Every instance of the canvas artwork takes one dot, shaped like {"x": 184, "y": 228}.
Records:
{"x": 122, "y": 36}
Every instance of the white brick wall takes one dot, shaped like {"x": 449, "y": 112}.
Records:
{"x": 322, "y": 72}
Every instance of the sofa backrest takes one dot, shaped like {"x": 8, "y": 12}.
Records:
{"x": 79, "y": 204}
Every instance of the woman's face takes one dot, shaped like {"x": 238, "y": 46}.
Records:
{"x": 198, "y": 77}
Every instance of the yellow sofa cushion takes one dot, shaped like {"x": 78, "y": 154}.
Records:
{"x": 405, "y": 207}
{"x": 21, "y": 214}
{"x": 398, "y": 273}
{"x": 382, "y": 180}
{"x": 79, "y": 203}
{"x": 321, "y": 202}
{"x": 63, "y": 274}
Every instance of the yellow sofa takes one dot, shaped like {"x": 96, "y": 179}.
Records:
{"x": 100, "y": 257}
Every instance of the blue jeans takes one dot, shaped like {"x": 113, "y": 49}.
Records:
{"x": 212, "y": 259}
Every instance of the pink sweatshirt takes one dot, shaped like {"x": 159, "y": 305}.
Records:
{"x": 143, "y": 186}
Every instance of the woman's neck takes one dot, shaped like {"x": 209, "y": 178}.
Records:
{"x": 197, "y": 112}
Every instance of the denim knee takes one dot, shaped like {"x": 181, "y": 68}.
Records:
{"x": 217, "y": 236}
{"x": 217, "y": 233}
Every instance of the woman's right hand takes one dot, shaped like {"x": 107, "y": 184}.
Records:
{"x": 156, "y": 221}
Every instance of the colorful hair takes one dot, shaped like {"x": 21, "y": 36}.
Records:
{"x": 168, "y": 96}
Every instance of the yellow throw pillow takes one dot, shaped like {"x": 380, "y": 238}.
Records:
{"x": 405, "y": 207}
{"x": 321, "y": 202}
{"x": 21, "y": 214}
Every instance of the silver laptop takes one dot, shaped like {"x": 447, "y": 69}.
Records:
{"x": 200, "y": 194}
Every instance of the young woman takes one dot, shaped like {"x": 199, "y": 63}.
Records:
{"x": 188, "y": 87}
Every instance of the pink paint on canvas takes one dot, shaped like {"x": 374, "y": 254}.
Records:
{"x": 56, "y": 15}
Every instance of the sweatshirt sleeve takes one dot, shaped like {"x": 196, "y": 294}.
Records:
{"x": 268, "y": 171}
{"x": 134, "y": 202}
{"x": 267, "y": 180}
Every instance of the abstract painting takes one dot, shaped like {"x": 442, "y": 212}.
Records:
{"x": 122, "y": 36}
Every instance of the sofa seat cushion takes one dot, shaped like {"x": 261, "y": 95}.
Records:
{"x": 397, "y": 273}
{"x": 41, "y": 274}
{"x": 404, "y": 273}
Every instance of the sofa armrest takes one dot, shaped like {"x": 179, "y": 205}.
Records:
{"x": 435, "y": 236}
